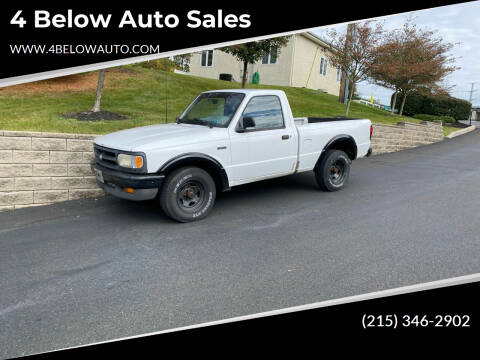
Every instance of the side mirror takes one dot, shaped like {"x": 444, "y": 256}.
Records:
{"x": 246, "y": 122}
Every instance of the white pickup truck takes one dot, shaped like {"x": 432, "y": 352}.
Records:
{"x": 226, "y": 138}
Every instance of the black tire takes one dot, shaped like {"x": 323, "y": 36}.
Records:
{"x": 188, "y": 194}
{"x": 333, "y": 170}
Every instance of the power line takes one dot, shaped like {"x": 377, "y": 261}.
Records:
{"x": 466, "y": 91}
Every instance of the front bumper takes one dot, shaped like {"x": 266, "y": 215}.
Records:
{"x": 145, "y": 186}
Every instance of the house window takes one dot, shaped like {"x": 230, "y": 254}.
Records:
{"x": 207, "y": 57}
{"x": 271, "y": 56}
{"x": 339, "y": 73}
{"x": 323, "y": 66}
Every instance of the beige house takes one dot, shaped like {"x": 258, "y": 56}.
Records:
{"x": 475, "y": 114}
{"x": 302, "y": 63}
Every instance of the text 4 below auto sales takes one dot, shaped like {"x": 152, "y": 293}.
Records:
{"x": 195, "y": 19}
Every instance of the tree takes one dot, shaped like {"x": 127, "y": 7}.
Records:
{"x": 182, "y": 62}
{"x": 251, "y": 52}
{"x": 411, "y": 59}
{"x": 98, "y": 95}
{"x": 352, "y": 51}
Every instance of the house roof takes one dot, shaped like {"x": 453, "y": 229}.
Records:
{"x": 318, "y": 40}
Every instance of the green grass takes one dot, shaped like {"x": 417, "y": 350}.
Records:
{"x": 449, "y": 129}
{"x": 142, "y": 97}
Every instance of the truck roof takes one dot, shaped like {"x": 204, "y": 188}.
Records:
{"x": 248, "y": 91}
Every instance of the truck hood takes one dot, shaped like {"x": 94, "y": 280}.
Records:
{"x": 159, "y": 136}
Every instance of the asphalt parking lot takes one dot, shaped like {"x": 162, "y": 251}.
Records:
{"x": 92, "y": 270}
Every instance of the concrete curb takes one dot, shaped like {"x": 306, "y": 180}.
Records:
{"x": 461, "y": 132}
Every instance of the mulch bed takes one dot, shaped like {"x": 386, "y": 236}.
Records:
{"x": 94, "y": 116}
{"x": 458, "y": 125}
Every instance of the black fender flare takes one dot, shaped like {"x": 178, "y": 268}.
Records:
{"x": 337, "y": 138}
{"x": 201, "y": 159}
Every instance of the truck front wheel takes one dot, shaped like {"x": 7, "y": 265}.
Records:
{"x": 188, "y": 194}
{"x": 333, "y": 170}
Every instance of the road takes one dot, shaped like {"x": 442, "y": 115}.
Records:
{"x": 468, "y": 122}
{"x": 92, "y": 270}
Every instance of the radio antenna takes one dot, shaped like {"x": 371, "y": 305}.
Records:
{"x": 166, "y": 97}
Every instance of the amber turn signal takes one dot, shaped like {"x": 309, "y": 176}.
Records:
{"x": 129, "y": 190}
{"x": 138, "y": 161}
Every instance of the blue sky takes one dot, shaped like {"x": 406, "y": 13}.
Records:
{"x": 456, "y": 24}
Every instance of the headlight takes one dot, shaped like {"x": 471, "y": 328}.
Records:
{"x": 130, "y": 161}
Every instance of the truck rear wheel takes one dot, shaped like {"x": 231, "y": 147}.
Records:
{"x": 188, "y": 194}
{"x": 333, "y": 170}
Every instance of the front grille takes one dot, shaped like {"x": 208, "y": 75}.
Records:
{"x": 106, "y": 157}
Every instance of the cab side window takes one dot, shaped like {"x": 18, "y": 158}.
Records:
{"x": 266, "y": 113}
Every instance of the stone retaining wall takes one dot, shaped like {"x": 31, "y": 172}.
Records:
{"x": 404, "y": 135}
{"x": 42, "y": 168}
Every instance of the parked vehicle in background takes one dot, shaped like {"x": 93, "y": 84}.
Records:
{"x": 223, "y": 139}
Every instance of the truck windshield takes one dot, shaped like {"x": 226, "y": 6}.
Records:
{"x": 212, "y": 109}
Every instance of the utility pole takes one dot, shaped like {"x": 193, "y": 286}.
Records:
{"x": 470, "y": 100}
{"x": 343, "y": 95}
{"x": 343, "y": 88}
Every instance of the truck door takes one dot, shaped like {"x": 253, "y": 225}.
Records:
{"x": 262, "y": 144}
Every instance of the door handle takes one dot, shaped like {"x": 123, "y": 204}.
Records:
{"x": 285, "y": 137}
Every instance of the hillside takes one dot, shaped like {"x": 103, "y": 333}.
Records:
{"x": 141, "y": 94}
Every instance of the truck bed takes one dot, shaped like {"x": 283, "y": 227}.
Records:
{"x": 315, "y": 132}
{"x": 313, "y": 120}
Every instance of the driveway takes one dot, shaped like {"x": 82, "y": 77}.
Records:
{"x": 473, "y": 122}
{"x": 92, "y": 270}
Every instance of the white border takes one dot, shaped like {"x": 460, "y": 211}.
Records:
{"x": 132, "y": 60}
{"x": 345, "y": 300}
{"x": 15, "y": 80}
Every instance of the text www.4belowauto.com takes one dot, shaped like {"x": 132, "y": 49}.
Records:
{"x": 83, "y": 49}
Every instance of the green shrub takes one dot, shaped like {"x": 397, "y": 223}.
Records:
{"x": 164, "y": 64}
{"x": 434, "y": 105}
{"x": 427, "y": 117}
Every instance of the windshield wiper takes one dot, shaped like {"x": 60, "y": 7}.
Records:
{"x": 196, "y": 121}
